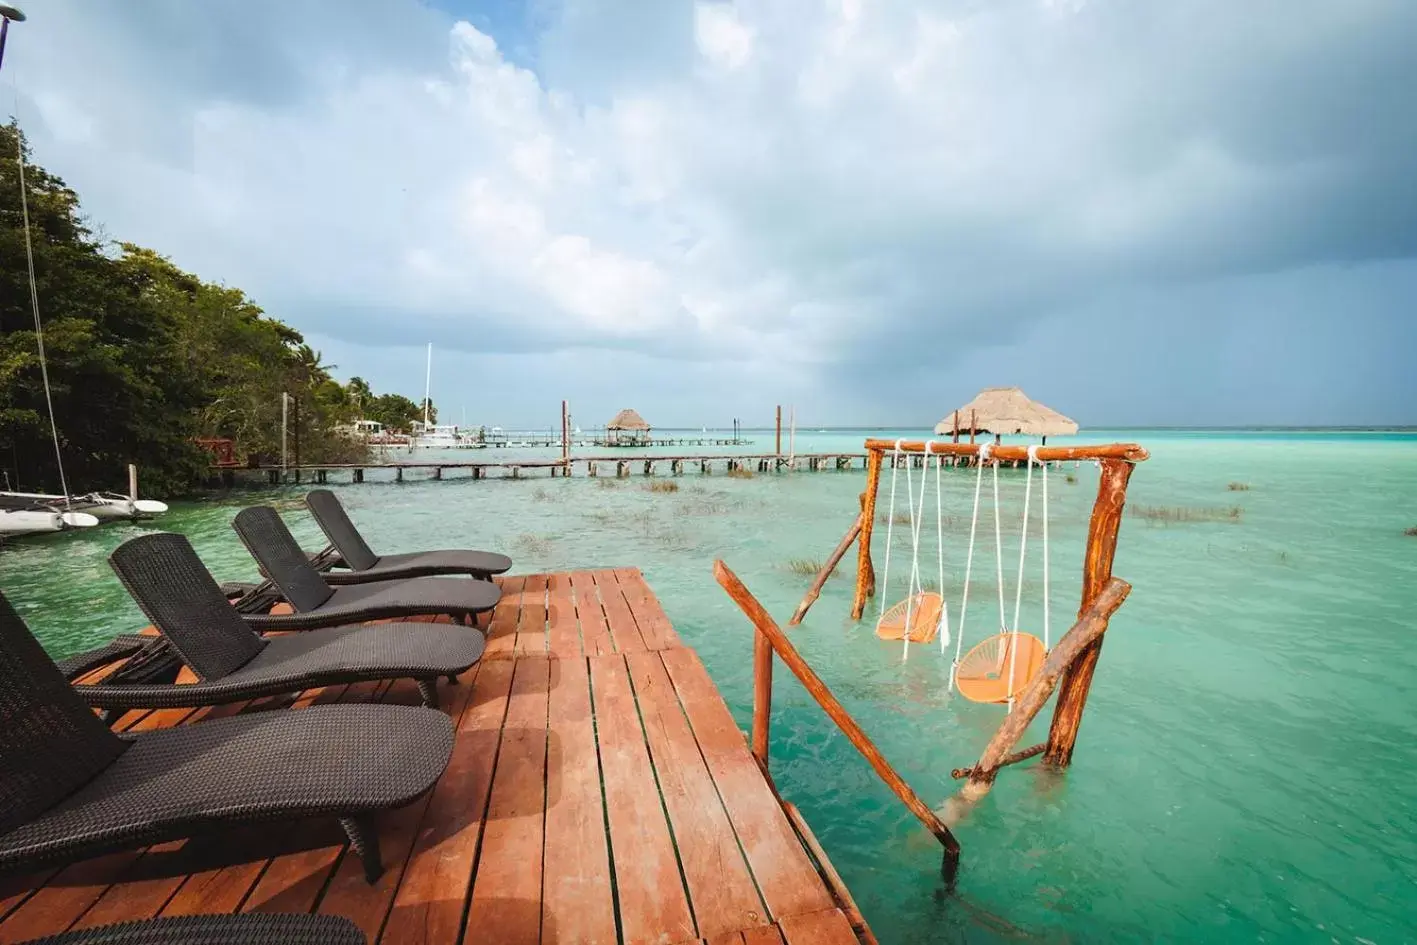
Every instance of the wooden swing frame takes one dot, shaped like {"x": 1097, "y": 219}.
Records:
{"x": 1117, "y": 461}
{"x": 1069, "y": 666}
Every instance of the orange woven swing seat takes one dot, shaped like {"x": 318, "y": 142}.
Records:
{"x": 924, "y": 611}
{"x": 983, "y": 674}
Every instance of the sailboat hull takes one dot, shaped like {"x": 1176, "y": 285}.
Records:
{"x": 37, "y": 521}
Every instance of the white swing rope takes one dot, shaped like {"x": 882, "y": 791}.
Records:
{"x": 1047, "y": 643}
{"x": 944, "y": 626}
{"x": 969, "y": 561}
{"x": 917, "y": 516}
{"x": 890, "y": 522}
{"x": 1022, "y": 557}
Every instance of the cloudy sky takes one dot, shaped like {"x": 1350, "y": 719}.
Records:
{"x": 1192, "y": 212}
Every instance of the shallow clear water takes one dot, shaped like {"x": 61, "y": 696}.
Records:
{"x": 1244, "y": 767}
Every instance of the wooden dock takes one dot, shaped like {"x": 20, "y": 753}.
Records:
{"x": 593, "y": 466}
{"x": 599, "y": 792}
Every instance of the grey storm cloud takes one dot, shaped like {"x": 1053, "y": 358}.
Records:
{"x": 783, "y": 194}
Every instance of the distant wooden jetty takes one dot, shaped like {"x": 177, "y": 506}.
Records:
{"x": 600, "y": 791}
{"x": 594, "y": 466}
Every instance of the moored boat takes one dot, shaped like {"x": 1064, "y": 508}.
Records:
{"x": 26, "y": 515}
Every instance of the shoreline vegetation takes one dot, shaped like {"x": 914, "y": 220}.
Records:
{"x": 145, "y": 358}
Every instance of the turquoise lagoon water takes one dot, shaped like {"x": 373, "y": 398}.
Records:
{"x": 1245, "y": 771}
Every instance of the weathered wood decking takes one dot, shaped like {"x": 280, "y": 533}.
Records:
{"x": 599, "y": 792}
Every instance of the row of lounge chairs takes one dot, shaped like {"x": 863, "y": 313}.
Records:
{"x": 71, "y": 787}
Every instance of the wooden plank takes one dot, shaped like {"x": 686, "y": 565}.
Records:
{"x": 531, "y": 627}
{"x": 655, "y": 628}
{"x": 506, "y": 893}
{"x": 428, "y": 908}
{"x": 623, "y": 630}
{"x": 578, "y": 904}
{"x": 721, "y": 888}
{"x": 502, "y": 630}
{"x": 563, "y": 630}
{"x": 789, "y": 883}
{"x": 763, "y": 935}
{"x": 828, "y": 927}
{"x": 595, "y": 630}
{"x": 653, "y": 904}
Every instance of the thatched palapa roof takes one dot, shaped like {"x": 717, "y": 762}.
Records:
{"x": 1004, "y": 410}
{"x": 627, "y": 420}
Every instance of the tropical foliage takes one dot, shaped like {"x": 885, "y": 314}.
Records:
{"x": 143, "y": 358}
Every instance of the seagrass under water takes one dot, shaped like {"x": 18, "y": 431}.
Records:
{"x": 1242, "y": 768}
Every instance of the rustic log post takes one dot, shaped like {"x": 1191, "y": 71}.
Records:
{"x": 359, "y": 475}
{"x": 590, "y": 468}
{"x": 398, "y": 474}
{"x": 1083, "y": 635}
{"x": 778, "y": 448}
{"x": 768, "y": 629}
{"x": 865, "y": 570}
{"x": 762, "y": 697}
{"x": 649, "y": 467}
{"x": 438, "y": 472}
{"x": 815, "y": 590}
{"x": 1096, "y": 573}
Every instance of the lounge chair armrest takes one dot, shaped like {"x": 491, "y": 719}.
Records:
{"x": 182, "y": 696}
{"x": 262, "y": 623}
{"x": 344, "y": 578}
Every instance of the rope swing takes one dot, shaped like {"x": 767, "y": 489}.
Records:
{"x": 922, "y": 611}
{"x": 999, "y": 667}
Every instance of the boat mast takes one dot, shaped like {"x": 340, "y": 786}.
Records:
{"x": 7, "y": 13}
{"x": 427, "y": 387}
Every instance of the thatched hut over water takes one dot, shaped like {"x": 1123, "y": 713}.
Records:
{"x": 627, "y": 429}
{"x": 1001, "y": 410}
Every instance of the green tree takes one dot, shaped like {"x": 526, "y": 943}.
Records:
{"x": 119, "y": 388}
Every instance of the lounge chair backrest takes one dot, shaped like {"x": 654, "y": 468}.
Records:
{"x": 281, "y": 557}
{"x": 51, "y": 743}
{"x": 179, "y": 595}
{"x": 335, "y": 523}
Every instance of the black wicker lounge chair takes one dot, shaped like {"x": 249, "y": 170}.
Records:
{"x": 251, "y": 928}
{"x": 366, "y": 566}
{"x": 70, "y": 788}
{"x": 181, "y": 598}
{"x": 317, "y": 604}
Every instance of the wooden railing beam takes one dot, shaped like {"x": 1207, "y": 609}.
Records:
{"x": 768, "y": 629}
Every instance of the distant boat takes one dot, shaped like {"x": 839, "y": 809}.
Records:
{"x": 22, "y": 514}
{"x": 102, "y": 506}
{"x": 436, "y": 436}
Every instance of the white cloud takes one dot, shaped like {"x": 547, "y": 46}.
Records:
{"x": 722, "y": 37}
{"x": 812, "y": 182}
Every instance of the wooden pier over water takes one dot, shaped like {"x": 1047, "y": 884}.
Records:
{"x": 612, "y": 466}
{"x": 599, "y": 792}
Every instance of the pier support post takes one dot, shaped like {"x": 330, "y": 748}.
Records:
{"x": 865, "y": 570}
{"x": 622, "y": 469}
{"x": 590, "y": 469}
{"x": 477, "y": 472}
{"x": 649, "y": 467}
{"x": 437, "y": 472}
{"x": 516, "y": 472}
{"x": 359, "y": 475}
{"x": 398, "y": 474}
{"x": 706, "y": 467}
{"x": 1096, "y": 575}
